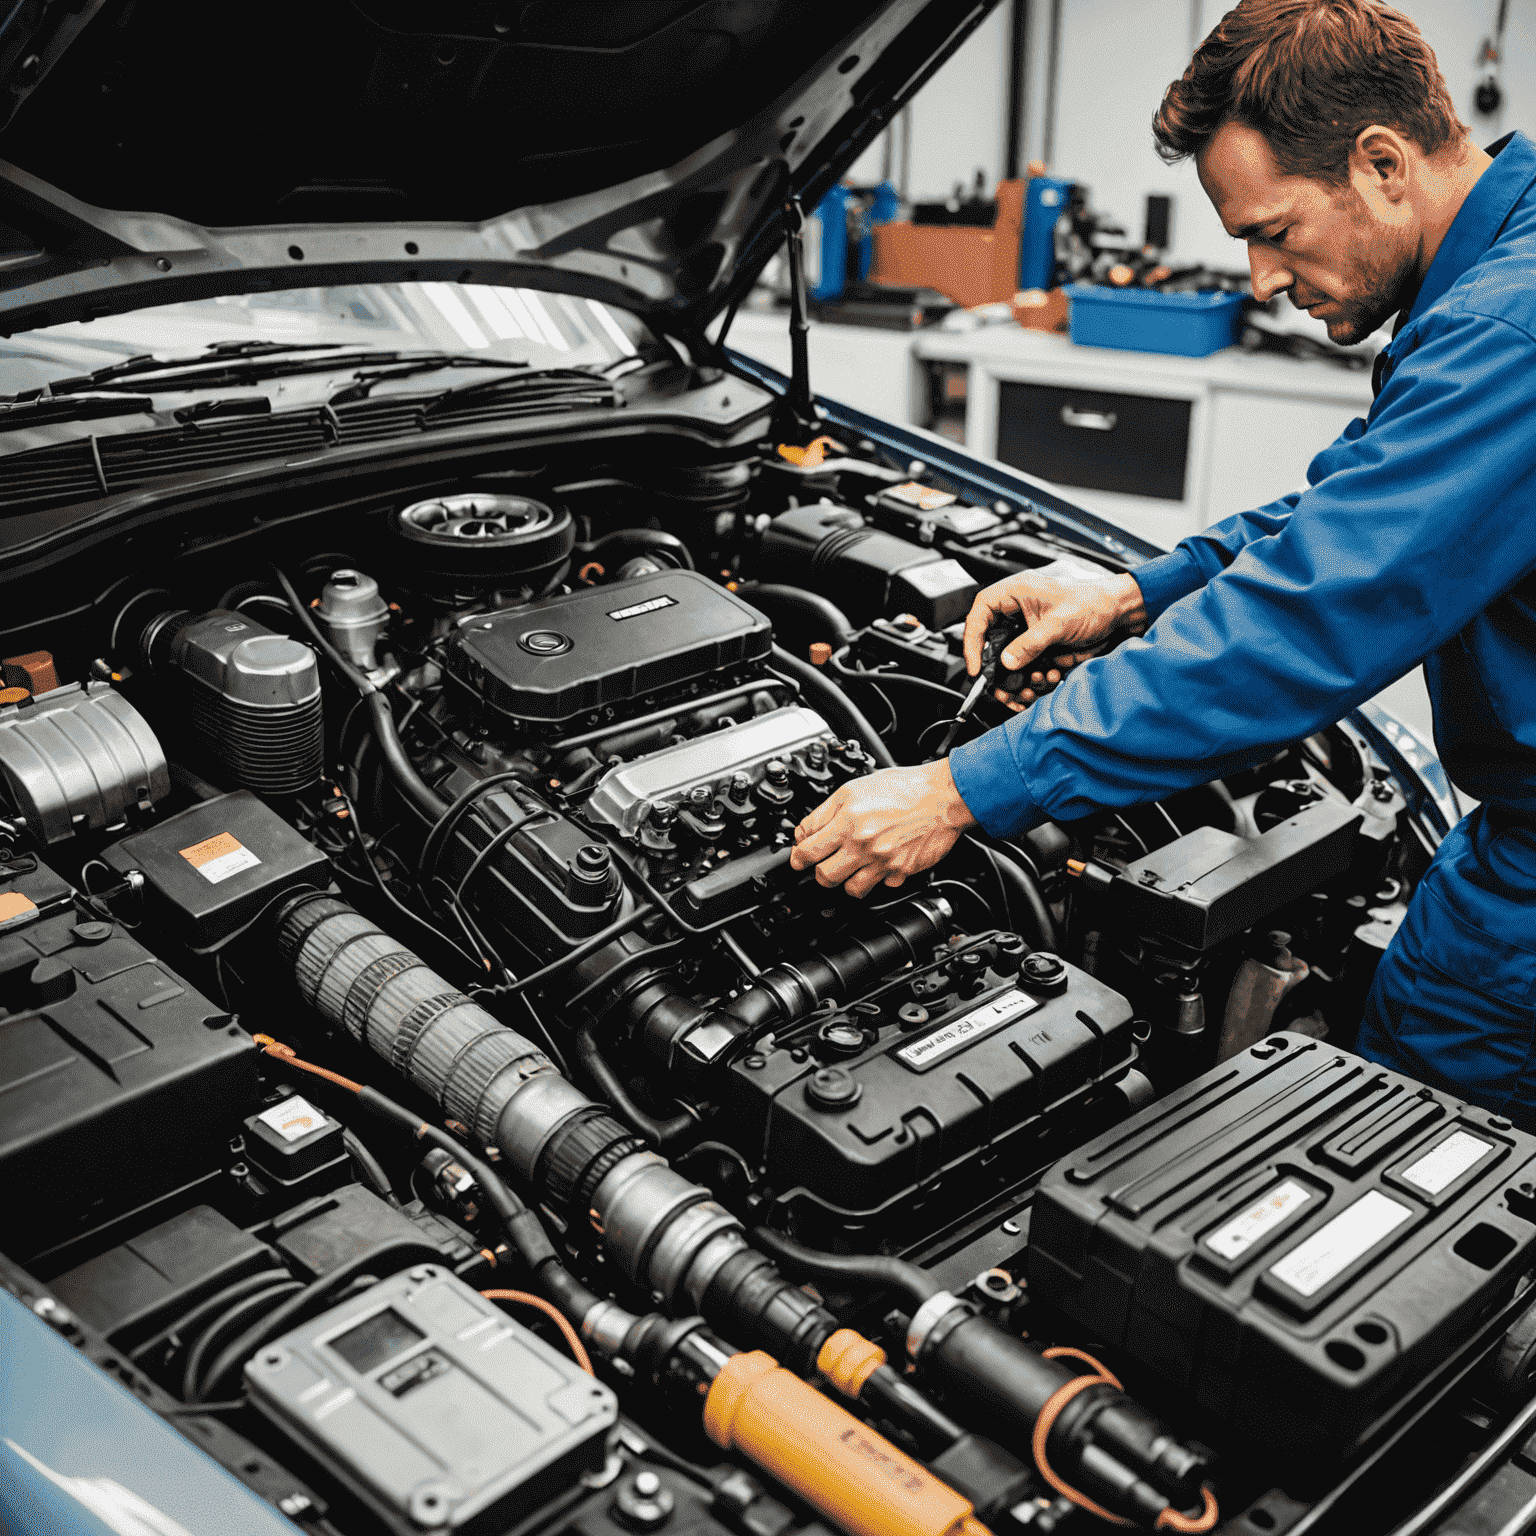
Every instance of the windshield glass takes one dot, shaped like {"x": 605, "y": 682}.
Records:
{"x": 547, "y": 330}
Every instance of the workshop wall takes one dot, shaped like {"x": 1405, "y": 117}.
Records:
{"x": 1116, "y": 57}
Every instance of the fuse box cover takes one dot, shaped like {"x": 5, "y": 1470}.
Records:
{"x": 1295, "y": 1237}
{"x": 214, "y": 867}
{"x": 118, "y": 1082}
{"x": 433, "y": 1405}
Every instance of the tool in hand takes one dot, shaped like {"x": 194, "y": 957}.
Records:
{"x": 1001, "y": 632}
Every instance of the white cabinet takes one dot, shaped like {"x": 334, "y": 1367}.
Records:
{"x": 1189, "y": 440}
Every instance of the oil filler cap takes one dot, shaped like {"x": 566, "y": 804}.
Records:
{"x": 833, "y": 1088}
{"x": 544, "y": 642}
{"x": 1043, "y": 972}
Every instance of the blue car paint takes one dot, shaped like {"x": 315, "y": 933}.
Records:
{"x": 80, "y": 1454}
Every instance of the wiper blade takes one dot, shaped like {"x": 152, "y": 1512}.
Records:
{"x": 362, "y": 385}
{"x": 236, "y": 372}
{"x": 147, "y": 362}
{"x": 43, "y": 409}
{"x": 238, "y": 405}
{"x": 563, "y": 384}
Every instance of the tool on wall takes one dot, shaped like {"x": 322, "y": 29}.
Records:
{"x": 1488, "y": 98}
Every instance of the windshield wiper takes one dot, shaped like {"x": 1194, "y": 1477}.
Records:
{"x": 147, "y": 362}
{"x": 43, "y": 409}
{"x": 570, "y": 386}
{"x": 363, "y": 383}
{"x": 247, "y": 371}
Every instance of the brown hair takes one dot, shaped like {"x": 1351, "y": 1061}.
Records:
{"x": 1310, "y": 75}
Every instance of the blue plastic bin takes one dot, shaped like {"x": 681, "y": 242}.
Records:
{"x": 1140, "y": 320}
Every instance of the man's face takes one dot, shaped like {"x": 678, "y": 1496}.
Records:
{"x": 1341, "y": 255}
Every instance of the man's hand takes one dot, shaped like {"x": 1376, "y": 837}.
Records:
{"x": 887, "y": 826}
{"x": 1075, "y": 614}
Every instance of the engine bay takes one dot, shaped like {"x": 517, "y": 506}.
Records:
{"x": 397, "y": 922}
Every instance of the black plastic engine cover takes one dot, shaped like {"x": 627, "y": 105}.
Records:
{"x": 548, "y": 661}
{"x": 1297, "y": 1238}
{"x": 984, "y": 1077}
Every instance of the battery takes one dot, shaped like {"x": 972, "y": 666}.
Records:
{"x": 1298, "y": 1238}
{"x": 431, "y": 1404}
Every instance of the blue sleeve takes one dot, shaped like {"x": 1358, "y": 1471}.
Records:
{"x": 1410, "y": 528}
{"x": 1203, "y": 555}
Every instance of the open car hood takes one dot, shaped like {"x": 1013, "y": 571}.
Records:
{"x": 632, "y": 151}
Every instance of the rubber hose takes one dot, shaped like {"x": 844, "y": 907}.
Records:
{"x": 659, "y": 1133}
{"x": 812, "y": 606}
{"x": 1027, "y": 890}
{"x": 841, "y": 711}
{"x": 398, "y": 764}
{"x": 914, "y": 1284}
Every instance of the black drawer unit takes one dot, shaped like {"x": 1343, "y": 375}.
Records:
{"x": 1137, "y": 445}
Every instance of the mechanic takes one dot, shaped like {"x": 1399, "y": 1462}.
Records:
{"x": 1325, "y": 137}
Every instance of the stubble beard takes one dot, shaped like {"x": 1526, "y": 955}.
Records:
{"x": 1378, "y": 283}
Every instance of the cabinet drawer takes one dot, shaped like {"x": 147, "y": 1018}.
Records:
{"x": 1134, "y": 444}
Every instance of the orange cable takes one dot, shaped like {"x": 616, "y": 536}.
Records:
{"x": 285, "y": 1054}
{"x": 558, "y": 1318}
{"x": 1170, "y": 1519}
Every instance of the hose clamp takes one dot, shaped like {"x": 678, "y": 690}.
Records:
{"x": 926, "y": 1318}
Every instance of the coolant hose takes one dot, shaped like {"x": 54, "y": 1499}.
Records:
{"x": 839, "y": 709}
{"x": 811, "y": 607}
{"x": 396, "y": 760}
{"x": 873, "y": 1270}
{"x": 660, "y": 1134}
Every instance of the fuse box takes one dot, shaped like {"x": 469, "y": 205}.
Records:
{"x": 1295, "y": 1237}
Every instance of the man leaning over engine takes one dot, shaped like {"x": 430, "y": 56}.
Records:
{"x": 1325, "y": 137}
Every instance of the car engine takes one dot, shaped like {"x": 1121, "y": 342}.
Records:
{"x": 397, "y": 920}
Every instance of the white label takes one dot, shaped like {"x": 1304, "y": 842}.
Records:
{"x": 636, "y": 609}
{"x": 217, "y": 858}
{"x": 1441, "y": 1166}
{"x": 1246, "y": 1228}
{"x": 293, "y": 1119}
{"x": 1334, "y": 1247}
{"x": 934, "y": 1047}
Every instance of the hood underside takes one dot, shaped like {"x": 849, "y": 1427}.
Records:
{"x": 633, "y": 151}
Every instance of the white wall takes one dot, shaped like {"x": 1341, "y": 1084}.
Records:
{"x": 1118, "y": 56}
{"x": 1116, "y": 59}
{"x": 959, "y": 120}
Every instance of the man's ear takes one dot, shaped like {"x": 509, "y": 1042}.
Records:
{"x": 1380, "y": 163}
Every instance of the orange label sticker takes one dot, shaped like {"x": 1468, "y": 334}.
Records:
{"x": 217, "y": 858}
{"x": 15, "y": 907}
{"x": 294, "y": 1118}
{"x": 923, "y": 496}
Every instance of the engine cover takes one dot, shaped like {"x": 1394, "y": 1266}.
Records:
{"x": 548, "y": 661}
{"x": 933, "y": 1093}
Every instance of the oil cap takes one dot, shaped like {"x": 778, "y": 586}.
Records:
{"x": 1043, "y": 972}
{"x": 544, "y": 642}
{"x": 833, "y": 1088}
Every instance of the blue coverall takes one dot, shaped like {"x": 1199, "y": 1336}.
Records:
{"x": 1415, "y": 541}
